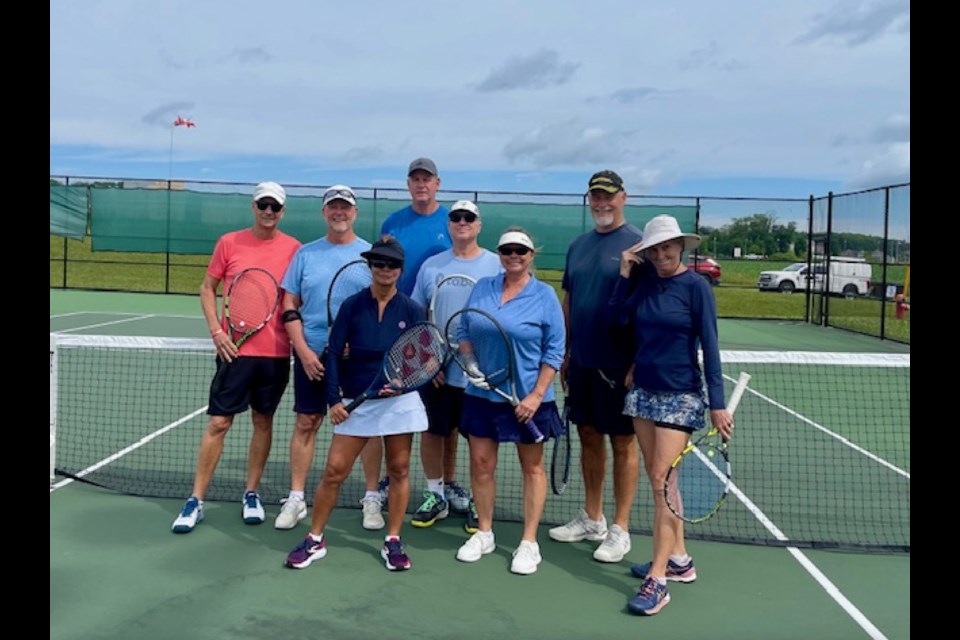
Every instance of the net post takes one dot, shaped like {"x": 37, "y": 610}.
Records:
{"x": 53, "y": 406}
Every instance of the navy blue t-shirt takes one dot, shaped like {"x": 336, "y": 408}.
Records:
{"x": 597, "y": 340}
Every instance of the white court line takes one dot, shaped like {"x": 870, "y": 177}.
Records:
{"x": 805, "y": 562}
{"x": 107, "y": 324}
{"x": 132, "y": 447}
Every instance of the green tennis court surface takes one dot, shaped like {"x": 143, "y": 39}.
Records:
{"x": 821, "y": 458}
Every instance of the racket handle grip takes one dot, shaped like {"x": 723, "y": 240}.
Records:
{"x": 356, "y": 402}
{"x": 535, "y": 431}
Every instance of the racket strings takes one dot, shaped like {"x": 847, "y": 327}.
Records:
{"x": 416, "y": 357}
{"x": 252, "y": 299}
{"x": 699, "y": 483}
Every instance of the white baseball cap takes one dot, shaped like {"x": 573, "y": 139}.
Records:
{"x": 270, "y": 190}
{"x": 339, "y": 192}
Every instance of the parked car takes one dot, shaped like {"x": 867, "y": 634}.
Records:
{"x": 707, "y": 267}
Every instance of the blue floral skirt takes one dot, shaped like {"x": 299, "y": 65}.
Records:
{"x": 681, "y": 409}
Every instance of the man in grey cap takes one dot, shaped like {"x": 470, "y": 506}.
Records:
{"x": 421, "y": 228}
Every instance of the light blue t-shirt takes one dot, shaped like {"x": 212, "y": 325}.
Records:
{"x": 421, "y": 237}
{"x": 534, "y": 323}
{"x": 309, "y": 276}
{"x": 434, "y": 269}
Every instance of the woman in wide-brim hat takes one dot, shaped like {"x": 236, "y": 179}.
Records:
{"x": 674, "y": 316}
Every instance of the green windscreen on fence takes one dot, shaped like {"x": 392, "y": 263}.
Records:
{"x": 68, "y": 211}
{"x": 188, "y": 222}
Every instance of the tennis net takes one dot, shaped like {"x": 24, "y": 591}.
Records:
{"x": 820, "y": 457}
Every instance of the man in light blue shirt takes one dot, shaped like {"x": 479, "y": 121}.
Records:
{"x": 306, "y": 285}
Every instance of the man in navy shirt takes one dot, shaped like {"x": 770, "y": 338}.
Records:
{"x": 595, "y": 368}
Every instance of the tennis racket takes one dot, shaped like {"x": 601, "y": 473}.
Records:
{"x": 348, "y": 280}
{"x": 496, "y": 363}
{"x": 560, "y": 464}
{"x": 251, "y": 300}
{"x": 449, "y": 296}
{"x": 414, "y": 358}
{"x": 699, "y": 479}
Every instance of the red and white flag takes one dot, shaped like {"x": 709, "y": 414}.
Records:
{"x": 183, "y": 122}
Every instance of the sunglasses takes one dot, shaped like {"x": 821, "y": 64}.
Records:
{"x": 385, "y": 264}
{"x": 273, "y": 206}
{"x": 458, "y": 216}
{"x": 509, "y": 251}
{"x": 338, "y": 193}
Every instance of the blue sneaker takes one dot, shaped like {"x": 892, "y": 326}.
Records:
{"x": 305, "y": 553}
{"x": 394, "y": 556}
{"x": 456, "y": 496}
{"x": 675, "y": 572}
{"x": 252, "y": 508}
{"x": 651, "y": 597}
{"x": 191, "y": 516}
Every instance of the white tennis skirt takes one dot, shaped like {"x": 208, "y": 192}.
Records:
{"x": 385, "y": 417}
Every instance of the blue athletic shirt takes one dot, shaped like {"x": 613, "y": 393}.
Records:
{"x": 421, "y": 237}
{"x": 534, "y": 322}
{"x": 672, "y": 318}
{"x": 597, "y": 339}
{"x": 309, "y": 276}
{"x": 435, "y": 269}
{"x": 357, "y": 324}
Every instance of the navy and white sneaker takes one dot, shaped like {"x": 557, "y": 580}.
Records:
{"x": 252, "y": 508}
{"x": 190, "y": 516}
{"x": 651, "y": 597}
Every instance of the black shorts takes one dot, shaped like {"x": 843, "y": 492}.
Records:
{"x": 444, "y": 407}
{"x": 250, "y": 381}
{"x": 309, "y": 396}
{"x": 596, "y": 399}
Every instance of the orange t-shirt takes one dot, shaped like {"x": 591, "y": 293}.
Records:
{"x": 239, "y": 250}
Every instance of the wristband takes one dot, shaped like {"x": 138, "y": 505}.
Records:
{"x": 290, "y": 315}
{"x": 216, "y": 333}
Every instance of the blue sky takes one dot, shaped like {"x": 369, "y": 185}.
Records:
{"x": 692, "y": 97}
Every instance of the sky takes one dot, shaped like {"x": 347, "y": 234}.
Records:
{"x": 747, "y": 98}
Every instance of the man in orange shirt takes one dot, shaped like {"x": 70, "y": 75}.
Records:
{"x": 259, "y": 369}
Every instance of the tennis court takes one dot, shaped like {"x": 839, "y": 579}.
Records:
{"x": 828, "y": 564}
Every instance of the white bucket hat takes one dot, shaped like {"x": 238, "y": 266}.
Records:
{"x": 663, "y": 228}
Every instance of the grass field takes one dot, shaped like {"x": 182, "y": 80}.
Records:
{"x": 737, "y": 295}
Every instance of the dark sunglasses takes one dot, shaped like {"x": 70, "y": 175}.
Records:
{"x": 385, "y": 264}
{"x": 457, "y": 216}
{"x": 509, "y": 251}
{"x": 273, "y": 206}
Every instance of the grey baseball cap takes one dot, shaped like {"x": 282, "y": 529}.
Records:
{"x": 423, "y": 163}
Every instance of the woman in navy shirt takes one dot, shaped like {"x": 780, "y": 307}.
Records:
{"x": 674, "y": 317}
{"x": 368, "y": 322}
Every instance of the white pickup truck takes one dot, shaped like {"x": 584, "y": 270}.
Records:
{"x": 848, "y": 277}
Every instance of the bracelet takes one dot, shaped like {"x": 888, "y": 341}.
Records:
{"x": 216, "y": 333}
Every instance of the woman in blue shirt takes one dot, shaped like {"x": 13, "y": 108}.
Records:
{"x": 531, "y": 316}
{"x": 674, "y": 316}
{"x": 369, "y": 322}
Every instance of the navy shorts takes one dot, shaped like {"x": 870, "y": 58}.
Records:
{"x": 496, "y": 421}
{"x": 444, "y": 407}
{"x": 309, "y": 396}
{"x": 596, "y": 399}
{"x": 682, "y": 410}
{"x": 250, "y": 381}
